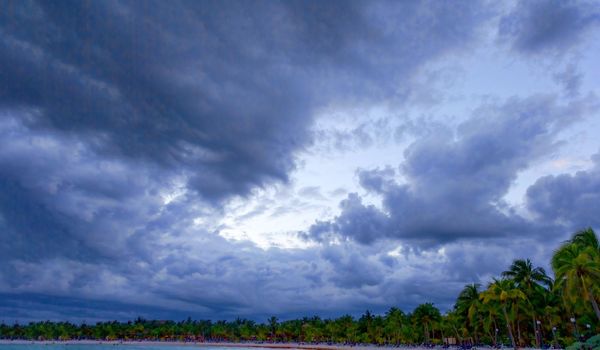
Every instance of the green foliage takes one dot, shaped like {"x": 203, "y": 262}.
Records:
{"x": 574, "y": 346}
{"x": 594, "y": 341}
{"x": 576, "y": 265}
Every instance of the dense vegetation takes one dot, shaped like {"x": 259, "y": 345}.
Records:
{"x": 523, "y": 307}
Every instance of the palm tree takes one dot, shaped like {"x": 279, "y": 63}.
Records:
{"x": 532, "y": 282}
{"x": 552, "y": 314}
{"x": 394, "y": 319}
{"x": 453, "y": 321}
{"x": 525, "y": 275}
{"x": 272, "y": 326}
{"x": 490, "y": 323}
{"x": 576, "y": 265}
{"x": 468, "y": 305}
{"x": 426, "y": 314}
{"x": 586, "y": 238}
{"x": 506, "y": 293}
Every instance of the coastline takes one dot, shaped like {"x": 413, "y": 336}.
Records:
{"x": 203, "y": 344}
{"x": 222, "y": 344}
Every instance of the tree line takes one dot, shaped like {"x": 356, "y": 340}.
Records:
{"x": 524, "y": 306}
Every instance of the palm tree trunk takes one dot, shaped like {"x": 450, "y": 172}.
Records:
{"x": 510, "y": 333}
{"x": 492, "y": 337}
{"x": 595, "y": 305}
{"x": 476, "y": 327}
{"x": 495, "y": 332}
{"x": 591, "y": 296}
{"x": 519, "y": 336}
{"x": 519, "y": 339}
{"x": 535, "y": 333}
{"x": 457, "y": 335}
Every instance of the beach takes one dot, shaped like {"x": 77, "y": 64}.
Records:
{"x": 227, "y": 345}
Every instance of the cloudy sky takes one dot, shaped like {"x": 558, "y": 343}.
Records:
{"x": 289, "y": 158}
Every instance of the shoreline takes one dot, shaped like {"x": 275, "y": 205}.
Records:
{"x": 224, "y": 344}
{"x": 204, "y": 344}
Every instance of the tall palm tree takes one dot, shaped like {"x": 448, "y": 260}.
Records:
{"x": 453, "y": 321}
{"x": 394, "y": 319}
{"x": 272, "y": 325}
{"x": 468, "y": 305}
{"x": 586, "y": 238}
{"x": 531, "y": 280}
{"x": 525, "y": 275}
{"x": 490, "y": 323}
{"x": 426, "y": 314}
{"x": 576, "y": 265}
{"x": 506, "y": 293}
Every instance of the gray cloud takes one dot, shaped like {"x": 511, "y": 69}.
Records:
{"x": 359, "y": 221}
{"x": 546, "y": 26}
{"x": 455, "y": 181}
{"x": 365, "y": 135}
{"x": 123, "y": 122}
{"x": 125, "y": 127}
{"x": 352, "y": 270}
{"x": 568, "y": 200}
{"x": 311, "y": 192}
{"x": 223, "y": 92}
{"x": 570, "y": 80}
{"x": 377, "y": 180}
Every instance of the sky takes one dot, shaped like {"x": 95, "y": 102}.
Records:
{"x": 223, "y": 159}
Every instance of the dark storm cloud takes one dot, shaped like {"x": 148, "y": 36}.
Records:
{"x": 570, "y": 200}
{"x": 224, "y": 91}
{"x": 125, "y": 126}
{"x": 390, "y": 273}
{"x": 352, "y": 270}
{"x": 548, "y": 26}
{"x": 455, "y": 181}
{"x": 54, "y": 204}
{"x": 34, "y": 307}
{"x": 28, "y": 239}
{"x": 359, "y": 221}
